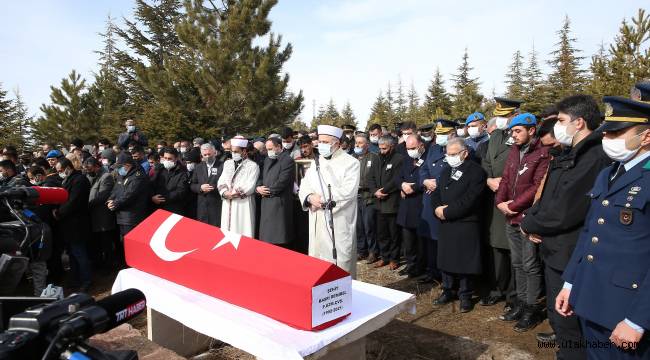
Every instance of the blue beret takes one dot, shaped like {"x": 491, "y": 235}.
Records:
{"x": 525, "y": 119}
{"x": 477, "y": 116}
{"x": 53, "y": 154}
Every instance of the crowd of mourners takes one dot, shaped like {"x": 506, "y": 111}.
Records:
{"x": 546, "y": 214}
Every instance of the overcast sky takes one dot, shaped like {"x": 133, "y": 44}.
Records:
{"x": 344, "y": 50}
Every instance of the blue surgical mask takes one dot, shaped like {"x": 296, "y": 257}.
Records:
{"x": 358, "y": 150}
{"x": 130, "y": 128}
{"x": 122, "y": 171}
{"x": 325, "y": 149}
{"x": 442, "y": 140}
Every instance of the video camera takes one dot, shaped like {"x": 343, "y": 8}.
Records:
{"x": 59, "y": 330}
{"x": 23, "y": 236}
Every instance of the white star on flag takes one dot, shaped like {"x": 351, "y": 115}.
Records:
{"x": 228, "y": 237}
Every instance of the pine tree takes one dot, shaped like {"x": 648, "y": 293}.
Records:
{"x": 347, "y": 115}
{"x": 598, "y": 85}
{"x": 379, "y": 112}
{"x": 515, "y": 77}
{"x": 7, "y": 109}
{"x": 108, "y": 90}
{"x": 20, "y": 133}
{"x": 70, "y": 115}
{"x": 437, "y": 102}
{"x": 414, "y": 111}
{"x": 390, "y": 107}
{"x": 567, "y": 77}
{"x": 400, "y": 102}
{"x": 467, "y": 98}
{"x": 241, "y": 84}
{"x": 629, "y": 57}
{"x": 535, "y": 95}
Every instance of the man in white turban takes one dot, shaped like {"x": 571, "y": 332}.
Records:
{"x": 333, "y": 175}
{"x": 237, "y": 187}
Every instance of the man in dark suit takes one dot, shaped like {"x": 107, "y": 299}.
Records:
{"x": 408, "y": 215}
{"x": 456, "y": 202}
{"x": 383, "y": 182}
{"x": 204, "y": 184}
{"x": 607, "y": 281}
{"x": 275, "y": 186}
{"x": 171, "y": 188}
{"x": 74, "y": 222}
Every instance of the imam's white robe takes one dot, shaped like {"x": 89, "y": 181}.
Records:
{"x": 238, "y": 215}
{"x": 342, "y": 173}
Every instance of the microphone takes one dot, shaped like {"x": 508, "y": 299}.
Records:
{"x": 123, "y": 306}
{"x": 50, "y": 195}
{"x": 105, "y": 314}
{"x": 40, "y": 195}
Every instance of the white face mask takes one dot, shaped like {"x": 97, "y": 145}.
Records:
{"x": 453, "y": 161}
{"x": 561, "y": 135}
{"x": 460, "y": 132}
{"x": 102, "y": 148}
{"x": 473, "y": 132}
{"x": 325, "y": 149}
{"x": 287, "y": 145}
{"x": 501, "y": 123}
{"x": 374, "y": 139}
{"x": 236, "y": 156}
{"x": 190, "y": 166}
{"x": 414, "y": 153}
{"x": 426, "y": 138}
{"x": 442, "y": 139}
{"x": 616, "y": 149}
{"x": 272, "y": 154}
{"x": 183, "y": 149}
{"x": 168, "y": 164}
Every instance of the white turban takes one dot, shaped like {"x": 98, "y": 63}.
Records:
{"x": 330, "y": 130}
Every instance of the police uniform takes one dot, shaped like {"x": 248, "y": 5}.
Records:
{"x": 609, "y": 271}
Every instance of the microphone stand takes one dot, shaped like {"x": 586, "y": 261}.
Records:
{"x": 328, "y": 207}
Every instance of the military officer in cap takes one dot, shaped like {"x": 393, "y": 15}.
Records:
{"x": 426, "y": 132}
{"x": 429, "y": 175}
{"x": 498, "y": 267}
{"x": 607, "y": 279}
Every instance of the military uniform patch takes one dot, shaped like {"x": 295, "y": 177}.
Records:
{"x": 626, "y": 217}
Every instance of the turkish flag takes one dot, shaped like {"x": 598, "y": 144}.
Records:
{"x": 301, "y": 291}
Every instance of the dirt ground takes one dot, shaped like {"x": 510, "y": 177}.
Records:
{"x": 434, "y": 332}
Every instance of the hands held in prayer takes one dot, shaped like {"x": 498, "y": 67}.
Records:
{"x": 407, "y": 188}
{"x": 503, "y": 207}
{"x": 316, "y": 202}
{"x": 431, "y": 185}
{"x": 493, "y": 183}
{"x": 158, "y": 199}
{"x": 207, "y": 188}
{"x": 263, "y": 190}
{"x": 379, "y": 194}
{"x": 440, "y": 212}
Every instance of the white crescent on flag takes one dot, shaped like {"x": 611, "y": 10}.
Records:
{"x": 159, "y": 238}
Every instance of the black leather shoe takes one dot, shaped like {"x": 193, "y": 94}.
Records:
{"x": 466, "y": 305}
{"x": 490, "y": 300}
{"x": 545, "y": 337}
{"x": 445, "y": 298}
{"x": 531, "y": 318}
{"x": 508, "y": 306}
{"x": 514, "y": 314}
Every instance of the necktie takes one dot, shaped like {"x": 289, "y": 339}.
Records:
{"x": 620, "y": 171}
